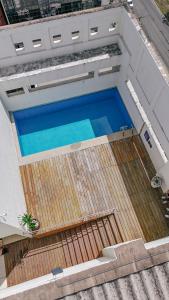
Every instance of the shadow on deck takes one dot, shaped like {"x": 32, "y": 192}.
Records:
{"x": 31, "y": 258}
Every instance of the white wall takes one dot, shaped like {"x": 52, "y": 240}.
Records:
{"x": 130, "y": 105}
{"x": 137, "y": 65}
{"x": 11, "y": 193}
{"x": 45, "y": 30}
{"x": 3, "y": 280}
{"x": 151, "y": 89}
{"x": 164, "y": 173}
{"x": 53, "y": 94}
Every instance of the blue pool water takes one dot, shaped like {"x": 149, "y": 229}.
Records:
{"x": 70, "y": 121}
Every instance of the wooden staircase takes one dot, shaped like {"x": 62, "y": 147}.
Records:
{"x": 31, "y": 258}
{"x": 87, "y": 241}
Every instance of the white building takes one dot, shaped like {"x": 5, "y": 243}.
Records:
{"x": 36, "y": 67}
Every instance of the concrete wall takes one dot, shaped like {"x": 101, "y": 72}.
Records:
{"x": 53, "y": 94}
{"x": 137, "y": 65}
{"x": 11, "y": 194}
{"x": 10, "y": 186}
{"x": 151, "y": 89}
{"x": 45, "y": 30}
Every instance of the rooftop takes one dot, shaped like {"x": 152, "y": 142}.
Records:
{"x": 95, "y": 203}
{"x": 132, "y": 271}
{"x": 148, "y": 284}
{"x": 113, "y": 4}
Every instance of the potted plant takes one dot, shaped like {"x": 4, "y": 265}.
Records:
{"x": 30, "y": 223}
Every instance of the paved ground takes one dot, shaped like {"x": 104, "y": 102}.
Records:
{"x": 151, "y": 20}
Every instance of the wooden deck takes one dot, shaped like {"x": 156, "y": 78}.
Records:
{"x": 86, "y": 184}
{"x": 30, "y": 258}
{"x": 64, "y": 190}
{"x": 137, "y": 171}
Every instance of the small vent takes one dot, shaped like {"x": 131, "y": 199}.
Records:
{"x": 75, "y": 35}
{"x": 56, "y": 38}
{"x": 93, "y": 30}
{"x": 37, "y": 43}
{"x": 19, "y": 46}
{"x": 15, "y": 92}
{"x": 112, "y": 26}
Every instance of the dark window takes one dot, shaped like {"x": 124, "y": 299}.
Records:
{"x": 19, "y": 46}
{"x": 75, "y": 35}
{"x": 37, "y": 43}
{"x": 112, "y": 26}
{"x": 93, "y": 30}
{"x": 109, "y": 70}
{"x": 15, "y": 92}
{"x": 57, "y": 38}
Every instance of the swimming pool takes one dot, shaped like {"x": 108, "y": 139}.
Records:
{"x": 70, "y": 121}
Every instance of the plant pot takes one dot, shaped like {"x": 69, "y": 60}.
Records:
{"x": 37, "y": 224}
{"x": 156, "y": 182}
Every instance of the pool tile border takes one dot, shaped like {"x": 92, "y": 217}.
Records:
{"x": 23, "y": 160}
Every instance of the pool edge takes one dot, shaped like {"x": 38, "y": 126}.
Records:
{"x": 23, "y": 160}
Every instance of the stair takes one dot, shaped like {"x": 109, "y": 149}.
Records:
{"x": 86, "y": 242}
{"x": 31, "y": 258}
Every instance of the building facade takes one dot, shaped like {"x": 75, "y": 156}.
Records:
{"x": 21, "y": 10}
{"x": 94, "y": 193}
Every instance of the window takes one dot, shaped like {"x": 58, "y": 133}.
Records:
{"x": 19, "y": 46}
{"x": 75, "y": 35}
{"x": 57, "y": 38}
{"x": 66, "y": 80}
{"x": 109, "y": 70}
{"x": 112, "y": 27}
{"x": 15, "y": 92}
{"x": 37, "y": 43}
{"x": 93, "y": 30}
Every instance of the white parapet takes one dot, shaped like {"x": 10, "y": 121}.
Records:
{"x": 3, "y": 281}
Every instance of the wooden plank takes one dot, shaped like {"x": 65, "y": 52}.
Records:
{"x": 76, "y": 246}
{"x": 30, "y": 258}
{"x": 92, "y": 240}
{"x": 61, "y": 190}
{"x": 82, "y": 245}
{"x": 115, "y": 229}
{"x": 97, "y": 237}
{"x": 87, "y": 242}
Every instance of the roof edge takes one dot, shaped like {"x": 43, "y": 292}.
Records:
{"x": 124, "y": 259}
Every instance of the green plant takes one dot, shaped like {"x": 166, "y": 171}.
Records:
{"x": 28, "y": 220}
